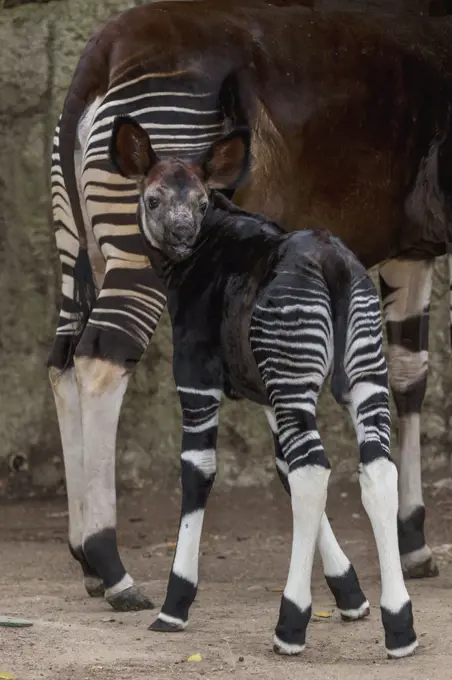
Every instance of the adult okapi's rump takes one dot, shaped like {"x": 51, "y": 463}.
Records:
{"x": 350, "y": 130}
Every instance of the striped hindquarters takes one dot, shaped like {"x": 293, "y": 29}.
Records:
{"x": 291, "y": 339}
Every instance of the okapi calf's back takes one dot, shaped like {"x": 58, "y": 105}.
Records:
{"x": 266, "y": 314}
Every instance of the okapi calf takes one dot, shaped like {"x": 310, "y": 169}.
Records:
{"x": 265, "y": 314}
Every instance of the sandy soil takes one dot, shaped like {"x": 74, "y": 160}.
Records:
{"x": 245, "y": 553}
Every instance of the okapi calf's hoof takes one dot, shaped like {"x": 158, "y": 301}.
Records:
{"x": 400, "y": 637}
{"x": 350, "y": 615}
{"x": 350, "y": 599}
{"x": 285, "y": 649}
{"x": 290, "y": 634}
{"x": 130, "y": 600}
{"x": 167, "y": 624}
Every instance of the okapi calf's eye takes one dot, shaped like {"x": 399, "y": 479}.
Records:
{"x": 153, "y": 203}
{"x": 173, "y": 192}
{"x": 267, "y": 315}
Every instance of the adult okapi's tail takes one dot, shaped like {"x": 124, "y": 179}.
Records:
{"x": 338, "y": 278}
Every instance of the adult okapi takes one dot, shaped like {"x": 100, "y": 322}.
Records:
{"x": 351, "y": 130}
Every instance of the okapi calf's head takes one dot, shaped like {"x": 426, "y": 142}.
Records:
{"x": 174, "y": 192}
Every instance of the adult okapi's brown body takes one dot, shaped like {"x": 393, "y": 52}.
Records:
{"x": 351, "y": 130}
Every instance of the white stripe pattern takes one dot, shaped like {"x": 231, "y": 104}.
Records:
{"x": 291, "y": 335}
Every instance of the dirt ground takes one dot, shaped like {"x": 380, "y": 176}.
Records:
{"x": 245, "y": 556}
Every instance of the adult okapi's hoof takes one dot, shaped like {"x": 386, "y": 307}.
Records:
{"x": 427, "y": 569}
{"x": 168, "y": 624}
{"x": 350, "y": 615}
{"x": 94, "y": 586}
{"x": 130, "y": 600}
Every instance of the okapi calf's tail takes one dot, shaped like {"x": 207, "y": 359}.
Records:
{"x": 338, "y": 279}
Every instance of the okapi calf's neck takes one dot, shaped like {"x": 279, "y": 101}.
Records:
{"x": 268, "y": 314}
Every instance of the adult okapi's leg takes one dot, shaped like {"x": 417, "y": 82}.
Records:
{"x": 110, "y": 335}
{"x": 405, "y": 288}
{"x": 339, "y": 573}
{"x": 78, "y": 296}
{"x": 118, "y": 332}
{"x": 116, "y": 335}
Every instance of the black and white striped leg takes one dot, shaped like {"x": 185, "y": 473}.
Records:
{"x": 406, "y": 288}
{"x": 378, "y": 481}
{"x": 308, "y": 473}
{"x": 291, "y": 340}
{"x": 339, "y": 573}
{"x": 200, "y": 408}
{"x": 368, "y": 403}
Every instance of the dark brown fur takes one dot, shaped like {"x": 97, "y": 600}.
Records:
{"x": 344, "y": 107}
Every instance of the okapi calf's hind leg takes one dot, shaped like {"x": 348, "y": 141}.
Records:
{"x": 339, "y": 573}
{"x": 308, "y": 474}
{"x": 368, "y": 401}
{"x": 378, "y": 481}
{"x": 200, "y": 408}
{"x": 406, "y": 288}
{"x": 293, "y": 368}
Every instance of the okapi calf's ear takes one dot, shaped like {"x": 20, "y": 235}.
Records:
{"x": 130, "y": 149}
{"x": 228, "y": 160}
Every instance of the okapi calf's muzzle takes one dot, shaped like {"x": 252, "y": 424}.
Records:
{"x": 269, "y": 315}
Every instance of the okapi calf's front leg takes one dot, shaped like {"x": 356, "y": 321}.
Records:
{"x": 200, "y": 407}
